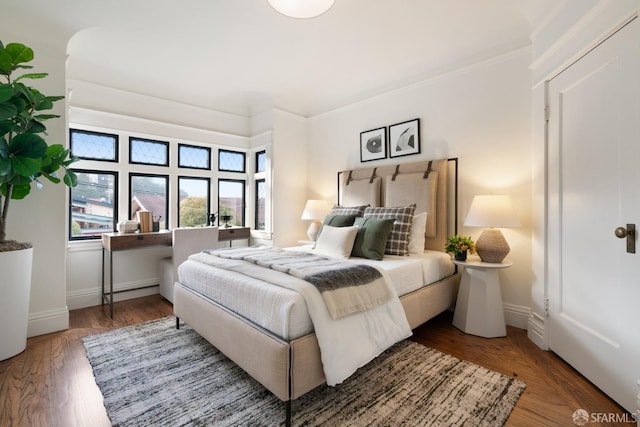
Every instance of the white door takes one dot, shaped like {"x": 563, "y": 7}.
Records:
{"x": 594, "y": 188}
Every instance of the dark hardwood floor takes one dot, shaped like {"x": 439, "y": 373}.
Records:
{"x": 51, "y": 382}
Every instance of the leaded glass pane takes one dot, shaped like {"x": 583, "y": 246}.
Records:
{"x": 147, "y": 152}
{"x": 190, "y": 156}
{"x": 261, "y": 161}
{"x": 94, "y": 145}
{"x": 231, "y": 161}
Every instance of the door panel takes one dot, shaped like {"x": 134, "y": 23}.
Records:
{"x": 593, "y": 159}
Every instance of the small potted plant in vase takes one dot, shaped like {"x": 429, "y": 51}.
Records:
{"x": 25, "y": 158}
{"x": 459, "y": 246}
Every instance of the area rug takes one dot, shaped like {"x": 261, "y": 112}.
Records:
{"x": 153, "y": 374}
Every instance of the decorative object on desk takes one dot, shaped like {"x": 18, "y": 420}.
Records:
{"x": 404, "y": 138}
{"x": 226, "y": 219}
{"x": 459, "y": 246}
{"x": 145, "y": 219}
{"x": 212, "y": 219}
{"x": 492, "y": 211}
{"x": 155, "y": 374}
{"x": 301, "y": 9}
{"x": 127, "y": 226}
{"x": 373, "y": 144}
{"x": 314, "y": 210}
{"x": 25, "y": 158}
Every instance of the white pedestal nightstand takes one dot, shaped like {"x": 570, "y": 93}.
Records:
{"x": 479, "y": 308}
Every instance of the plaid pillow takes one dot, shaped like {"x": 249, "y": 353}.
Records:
{"x": 347, "y": 210}
{"x": 398, "y": 240}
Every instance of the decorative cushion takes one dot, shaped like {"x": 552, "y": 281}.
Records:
{"x": 416, "y": 238}
{"x": 336, "y": 242}
{"x": 371, "y": 238}
{"x": 361, "y": 192}
{"x": 337, "y": 221}
{"x": 347, "y": 210}
{"x": 398, "y": 240}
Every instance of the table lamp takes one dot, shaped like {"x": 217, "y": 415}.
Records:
{"x": 492, "y": 211}
{"x": 314, "y": 210}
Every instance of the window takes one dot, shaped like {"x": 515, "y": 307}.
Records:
{"x": 193, "y": 201}
{"x": 190, "y": 156}
{"x": 231, "y": 201}
{"x": 94, "y": 145}
{"x": 261, "y": 161}
{"x": 149, "y": 192}
{"x": 94, "y": 202}
{"x": 148, "y": 152}
{"x": 231, "y": 161}
{"x": 260, "y": 204}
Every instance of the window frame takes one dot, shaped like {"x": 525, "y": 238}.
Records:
{"x": 166, "y": 202}
{"x": 257, "y": 205}
{"x": 116, "y": 196}
{"x": 244, "y": 161}
{"x": 154, "y": 141}
{"x": 244, "y": 198}
{"x": 116, "y": 159}
{"x": 208, "y": 203}
{"x": 208, "y": 149}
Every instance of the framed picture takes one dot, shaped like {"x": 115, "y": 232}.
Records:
{"x": 404, "y": 138}
{"x": 373, "y": 144}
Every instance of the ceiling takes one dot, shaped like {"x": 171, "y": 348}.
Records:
{"x": 242, "y": 57}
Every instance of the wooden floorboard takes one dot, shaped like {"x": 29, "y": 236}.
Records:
{"x": 51, "y": 382}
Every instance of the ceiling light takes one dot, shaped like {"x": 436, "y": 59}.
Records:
{"x": 301, "y": 8}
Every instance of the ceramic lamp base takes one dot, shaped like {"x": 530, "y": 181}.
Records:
{"x": 312, "y": 231}
{"x": 492, "y": 246}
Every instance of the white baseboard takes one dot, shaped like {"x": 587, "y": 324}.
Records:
{"x": 92, "y": 297}
{"x": 516, "y": 315}
{"x": 536, "y": 331}
{"x": 46, "y": 322}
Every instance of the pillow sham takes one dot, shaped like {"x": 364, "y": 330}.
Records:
{"x": 417, "y": 238}
{"x": 336, "y": 242}
{"x": 398, "y": 240}
{"x": 371, "y": 238}
{"x": 347, "y": 210}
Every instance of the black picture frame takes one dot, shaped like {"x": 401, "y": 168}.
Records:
{"x": 373, "y": 144}
{"x": 404, "y": 138}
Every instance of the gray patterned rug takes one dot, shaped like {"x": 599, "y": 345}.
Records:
{"x": 154, "y": 375}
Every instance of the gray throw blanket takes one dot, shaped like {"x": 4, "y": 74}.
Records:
{"x": 345, "y": 287}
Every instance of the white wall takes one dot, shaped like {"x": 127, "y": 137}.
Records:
{"x": 40, "y": 218}
{"x": 481, "y": 115}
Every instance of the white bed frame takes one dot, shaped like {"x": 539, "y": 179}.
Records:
{"x": 290, "y": 369}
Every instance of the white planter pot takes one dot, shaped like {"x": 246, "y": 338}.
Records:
{"x": 15, "y": 288}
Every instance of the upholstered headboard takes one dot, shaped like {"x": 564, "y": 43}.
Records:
{"x": 428, "y": 184}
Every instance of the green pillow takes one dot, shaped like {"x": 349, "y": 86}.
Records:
{"x": 371, "y": 239}
{"x": 337, "y": 221}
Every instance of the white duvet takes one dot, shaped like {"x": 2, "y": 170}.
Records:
{"x": 346, "y": 344}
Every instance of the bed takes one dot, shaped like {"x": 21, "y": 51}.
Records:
{"x": 278, "y": 346}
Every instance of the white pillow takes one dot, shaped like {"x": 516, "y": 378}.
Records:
{"x": 416, "y": 238}
{"x": 336, "y": 242}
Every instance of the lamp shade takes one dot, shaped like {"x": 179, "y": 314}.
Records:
{"x": 491, "y": 211}
{"x": 301, "y": 8}
{"x": 315, "y": 209}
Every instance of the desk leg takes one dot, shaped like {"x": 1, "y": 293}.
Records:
{"x": 111, "y": 284}
{"x": 102, "y": 294}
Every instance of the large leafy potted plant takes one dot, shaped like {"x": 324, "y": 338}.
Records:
{"x": 25, "y": 157}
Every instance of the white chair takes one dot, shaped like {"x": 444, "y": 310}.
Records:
{"x": 186, "y": 241}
